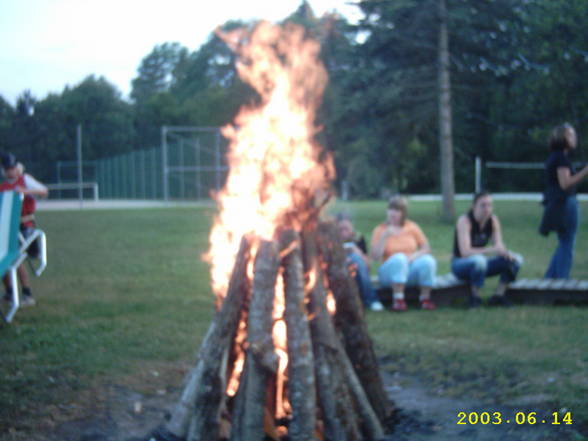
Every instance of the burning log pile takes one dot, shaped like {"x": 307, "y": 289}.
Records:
{"x": 331, "y": 388}
{"x": 287, "y": 355}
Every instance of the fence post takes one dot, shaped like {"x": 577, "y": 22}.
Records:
{"x": 164, "y": 162}
{"x": 478, "y": 175}
{"x": 80, "y": 171}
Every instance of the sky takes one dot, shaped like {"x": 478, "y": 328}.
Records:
{"x": 48, "y": 44}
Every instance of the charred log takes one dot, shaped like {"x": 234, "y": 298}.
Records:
{"x": 261, "y": 361}
{"x": 199, "y": 405}
{"x": 301, "y": 381}
{"x": 350, "y": 320}
{"x": 339, "y": 416}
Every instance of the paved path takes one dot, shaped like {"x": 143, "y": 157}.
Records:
{"x": 103, "y": 204}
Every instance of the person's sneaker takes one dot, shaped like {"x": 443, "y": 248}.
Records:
{"x": 497, "y": 300}
{"x": 475, "y": 302}
{"x": 399, "y": 305}
{"x": 27, "y": 301}
{"x": 376, "y": 306}
{"x": 428, "y": 304}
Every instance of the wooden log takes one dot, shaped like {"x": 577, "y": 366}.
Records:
{"x": 350, "y": 319}
{"x": 371, "y": 424}
{"x": 239, "y": 406}
{"x": 325, "y": 337}
{"x": 261, "y": 360}
{"x": 202, "y": 397}
{"x": 338, "y": 413}
{"x": 301, "y": 380}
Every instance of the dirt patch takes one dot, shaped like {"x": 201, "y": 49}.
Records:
{"x": 129, "y": 412}
{"x": 424, "y": 415}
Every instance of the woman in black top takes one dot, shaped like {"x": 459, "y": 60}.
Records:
{"x": 479, "y": 252}
{"x": 561, "y": 207}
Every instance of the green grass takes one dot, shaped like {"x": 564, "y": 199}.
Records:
{"x": 126, "y": 293}
{"x": 522, "y": 354}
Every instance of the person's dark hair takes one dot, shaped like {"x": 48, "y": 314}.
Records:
{"x": 479, "y": 195}
{"x": 558, "y": 141}
{"x": 399, "y": 203}
{"x": 8, "y": 160}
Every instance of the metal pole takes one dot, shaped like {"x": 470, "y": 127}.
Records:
{"x": 478, "y": 174}
{"x": 110, "y": 178}
{"x": 59, "y": 176}
{"x": 181, "y": 158}
{"x": 164, "y": 162}
{"x": 154, "y": 172}
{"x": 133, "y": 176}
{"x": 143, "y": 191}
{"x": 80, "y": 171}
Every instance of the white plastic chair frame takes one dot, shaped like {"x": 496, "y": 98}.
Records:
{"x": 12, "y": 270}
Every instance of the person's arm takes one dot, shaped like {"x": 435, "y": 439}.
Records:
{"x": 357, "y": 250}
{"x": 358, "y": 247}
{"x": 497, "y": 238}
{"x": 423, "y": 247}
{"x": 567, "y": 180}
{"x": 464, "y": 242}
{"x": 33, "y": 187}
{"x": 378, "y": 243}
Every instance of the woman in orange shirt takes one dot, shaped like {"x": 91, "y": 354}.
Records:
{"x": 402, "y": 248}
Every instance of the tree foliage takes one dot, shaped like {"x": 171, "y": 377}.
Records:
{"x": 518, "y": 67}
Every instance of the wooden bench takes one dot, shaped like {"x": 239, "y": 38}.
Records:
{"x": 549, "y": 291}
{"x": 447, "y": 291}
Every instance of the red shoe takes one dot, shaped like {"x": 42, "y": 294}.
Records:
{"x": 428, "y": 304}
{"x": 399, "y": 305}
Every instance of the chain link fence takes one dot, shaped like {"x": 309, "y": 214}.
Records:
{"x": 188, "y": 165}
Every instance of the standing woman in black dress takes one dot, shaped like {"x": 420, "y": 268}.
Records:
{"x": 561, "y": 207}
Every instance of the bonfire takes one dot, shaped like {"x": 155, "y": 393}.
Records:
{"x": 287, "y": 355}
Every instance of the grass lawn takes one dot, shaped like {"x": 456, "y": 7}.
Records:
{"x": 126, "y": 300}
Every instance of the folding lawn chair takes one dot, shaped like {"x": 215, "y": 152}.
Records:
{"x": 14, "y": 248}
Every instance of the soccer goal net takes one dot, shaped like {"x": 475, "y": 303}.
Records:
{"x": 188, "y": 164}
{"x": 514, "y": 177}
{"x": 74, "y": 190}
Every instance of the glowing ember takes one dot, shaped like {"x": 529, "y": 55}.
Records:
{"x": 275, "y": 169}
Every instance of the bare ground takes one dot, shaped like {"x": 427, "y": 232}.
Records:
{"x": 129, "y": 412}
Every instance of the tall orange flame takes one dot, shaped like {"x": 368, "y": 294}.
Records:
{"x": 276, "y": 168}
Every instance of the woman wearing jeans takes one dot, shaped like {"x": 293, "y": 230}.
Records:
{"x": 479, "y": 252}
{"x": 404, "y": 252}
{"x": 355, "y": 246}
{"x": 561, "y": 208}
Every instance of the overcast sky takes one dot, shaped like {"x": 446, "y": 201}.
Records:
{"x": 48, "y": 44}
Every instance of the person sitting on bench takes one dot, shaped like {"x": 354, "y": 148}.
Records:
{"x": 474, "y": 258}
{"x": 28, "y": 186}
{"x": 357, "y": 258}
{"x": 405, "y": 254}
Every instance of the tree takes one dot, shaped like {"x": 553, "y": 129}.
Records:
{"x": 105, "y": 117}
{"x": 445, "y": 128}
{"x": 409, "y": 65}
{"x": 24, "y": 128}
{"x": 6, "y": 118}
{"x": 157, "y": 71}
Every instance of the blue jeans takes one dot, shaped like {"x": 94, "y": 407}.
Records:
{"x": 474, "y": 269}
{"x": 398, "y": 270}
{"x": 563, "y": 257}
{"x": 362, "y": 277}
